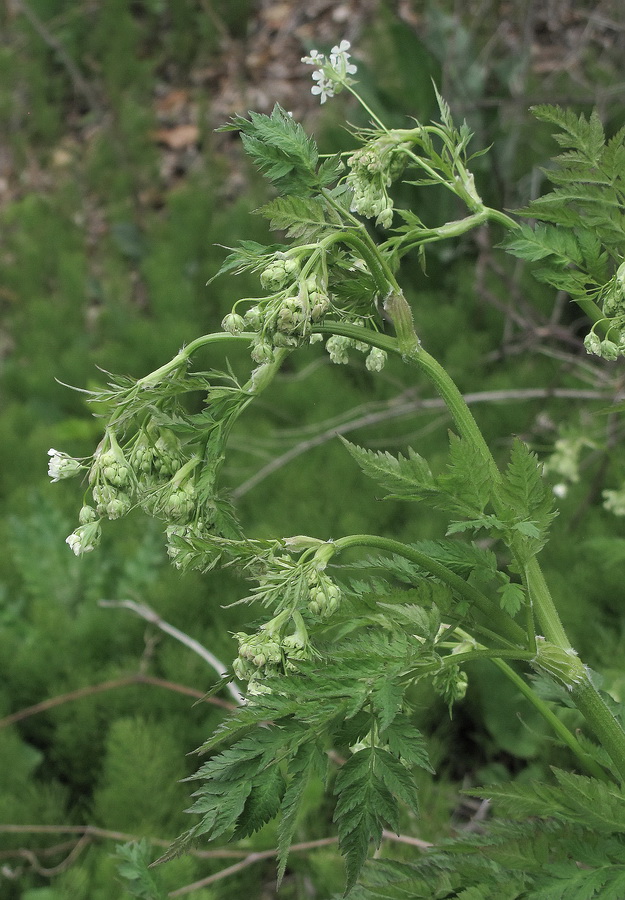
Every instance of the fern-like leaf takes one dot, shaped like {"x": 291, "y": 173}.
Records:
{"x": 402, "y": 476}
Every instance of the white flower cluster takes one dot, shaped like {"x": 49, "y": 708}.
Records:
{"x": 60, "y": 465}
{"x": 334, "y": 71}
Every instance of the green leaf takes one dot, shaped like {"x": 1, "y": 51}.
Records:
{"x": 309, "y": 760}
{"x": 247, "y": 256}
{"x": 397, "y": 778}
{"x": 511, "y": 597}
{"x": 364, "y": 807}
{"x": 403, "y": 476}
{"x": 262, "y": 803}
{"x": 527, "y": 495}
{"x": 406, "y": 742}
{"x": 301, "y": 217}
{"x": 387, "y": 697}
{"x": 281, "y": 149}
{"x": 487, "y": 522}
{"x": 133, "y": 862}
{"x": 469, "y": 477}
{"x": 586, "y": 135}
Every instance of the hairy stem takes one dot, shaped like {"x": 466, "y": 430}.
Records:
{"x": 584, "y": 695}
{"x": 567, "y": 737}
{"x": 605, "y": 726}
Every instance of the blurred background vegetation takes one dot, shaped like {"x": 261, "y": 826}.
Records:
{"x": 116, "y": 197}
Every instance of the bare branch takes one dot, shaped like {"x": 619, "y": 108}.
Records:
{"x": 147, "y": 613}
{"x": 137, "y": 678}
{"x": 252, "y": 858}
{"x": 396, "y": 410}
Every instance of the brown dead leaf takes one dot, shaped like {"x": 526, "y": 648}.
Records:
{"x": 172, "y": 103}
{"x": 177, "y": 138}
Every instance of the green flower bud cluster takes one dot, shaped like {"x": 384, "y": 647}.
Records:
{"x": 324, "y": 596}
{"x": 110, "y": 502}
{"x": 270, "y": 651}
{"x": 260, "y": 651}
{"x": 168, "y": 455}
{"x": 338, "y": 347}
{"x": 112, "y": 480}
{"x": 152, "y": 474}
{"x": 179, "y": 502}
{"x": 284, "y": 319}
{"x": 376, "y": 359}
{"x": 282, "y": 270}
{"x": 113, "y": 467}
{"x": 156, "y": 457}
{"x": 294, "y": 647}
{"x": 451, "y": 684}
{"x": 614, "y": 501}
{"x": 177, "y": 535}
{"x": 607, "y": 349}
{"x": 373, "y": 169}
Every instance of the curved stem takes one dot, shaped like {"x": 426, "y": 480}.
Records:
{"x": 567, "y": 737}
{"x": 501, "y": 623}
{"x": 369, "y": 252}
{"x": 183, "y": 356}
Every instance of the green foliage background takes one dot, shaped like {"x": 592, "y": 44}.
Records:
{"x": 103, "y": 263}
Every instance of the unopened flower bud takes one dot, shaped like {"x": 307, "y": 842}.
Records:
{"x": 592, "y": 343}
{"x": 262, "y": 351}
{"x": 609, "y": 350}
{"x": 253, "y": 318}
{"x": 118, "y": 506}
{"x": 233, "y": 323}
{"x": 376, "y": 359}
{"x": 337, "y": 347}
{"x": 87, "y": 514}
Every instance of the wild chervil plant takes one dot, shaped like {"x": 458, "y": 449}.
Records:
{"x": 334, "y": 662}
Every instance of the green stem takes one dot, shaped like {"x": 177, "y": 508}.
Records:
{"x": 368, "y": 251}
{"x": 585, "y": 697}
{"x": 501, "y": 623}
{"x": 568, "y": 739}
{"x": 606, "y": 728}
{"x": 183, "y": 356}
{"x": 366, "y": 108}
{"x": 543, "y": 605}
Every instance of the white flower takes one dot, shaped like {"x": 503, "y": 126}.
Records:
{"x": 561, "y": 489}
{"x": 315, "y": 58}
{"x": 60, "y": 465}
{"x": 339, "y": 59}
{"x": 324, "y": 86}
{"x": 332, "y": 76}
{"x": 85, "y": 539}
